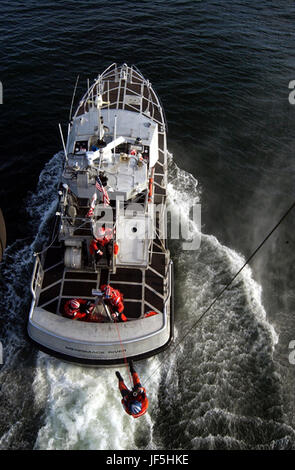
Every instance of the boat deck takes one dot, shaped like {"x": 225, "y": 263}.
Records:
{"x": 143, "y": 289}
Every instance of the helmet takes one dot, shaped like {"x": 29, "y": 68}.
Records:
{"x": 74, "y": 304}
{"x": 135, "y": 407}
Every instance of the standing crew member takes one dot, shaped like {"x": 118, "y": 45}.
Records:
{"x": 78, "y": 309}
{"x": 115, "y": 299}
{"x": 102, "y": 242}
{"x": 134, "y": 401}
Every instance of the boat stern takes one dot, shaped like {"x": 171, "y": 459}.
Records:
{"x": 99, "y": 344}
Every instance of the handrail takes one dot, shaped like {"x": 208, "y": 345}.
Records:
{"x": 113, "y": 72}
{"x": 169, "y": 283}
{"x": 36, "y": 276}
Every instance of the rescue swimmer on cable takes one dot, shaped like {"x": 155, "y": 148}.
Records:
{"x": 135, "y": 401}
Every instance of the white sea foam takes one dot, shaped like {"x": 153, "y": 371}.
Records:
{"x": 83, "y": 407}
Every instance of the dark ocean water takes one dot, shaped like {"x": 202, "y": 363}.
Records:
{"x": 222, "y": 71}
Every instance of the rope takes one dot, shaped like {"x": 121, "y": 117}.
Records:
{"x": 222, "y": 291}
{"x": 73, "y": 97}
{"x": 51, "y": 243}
{"x": 123, "y": 353}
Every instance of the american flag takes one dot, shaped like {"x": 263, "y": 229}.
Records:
{"x": 90, "y": 212}
{"x": 92, "y": 206}
{"x": 99, "y": 186}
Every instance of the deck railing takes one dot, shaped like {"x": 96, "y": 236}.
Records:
{"x": 117, "y": 82}
{"x": 37, "y": 276}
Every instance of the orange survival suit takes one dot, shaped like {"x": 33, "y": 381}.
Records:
{"x": 101, "y": 242}
{"x": 115, "y": 298}
{"x": 135, "y": 401}
{"x": 78, "y": 309}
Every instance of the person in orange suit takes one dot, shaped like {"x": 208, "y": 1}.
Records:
{"x": 78, "y": 309}
{"x": 102, "y": 242}
{"x": 115, "y": 299}
{"x": 135, "y": 401}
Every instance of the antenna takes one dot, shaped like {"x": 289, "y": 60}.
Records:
{"x": 73, "y": 97}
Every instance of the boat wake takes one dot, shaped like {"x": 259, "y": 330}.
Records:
{"x": 218, "y": 390}
{"x": 83, "y": 408}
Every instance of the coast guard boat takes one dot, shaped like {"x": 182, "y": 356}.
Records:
{"x": 115, "y": 177}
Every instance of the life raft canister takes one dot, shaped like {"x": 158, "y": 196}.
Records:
{"x": 151, "y": 180}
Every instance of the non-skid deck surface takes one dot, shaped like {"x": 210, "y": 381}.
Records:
{"x": 142, "y": 289}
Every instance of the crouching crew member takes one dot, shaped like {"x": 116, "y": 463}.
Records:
{"x": 102, "y": 242}
{"x": 114, "y": 299}
{"x": 78, "y": 309}
{"x": 134, "y": 401}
